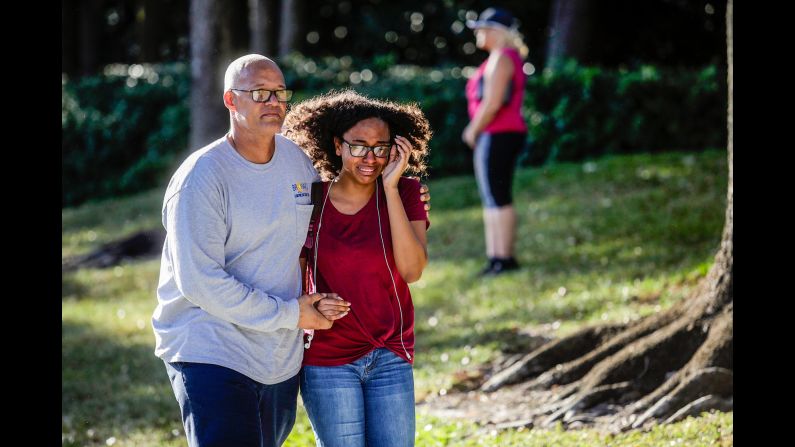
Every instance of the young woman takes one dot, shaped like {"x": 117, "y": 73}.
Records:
{"x": 367, "y": 243}
{"x": 496, "y": 131}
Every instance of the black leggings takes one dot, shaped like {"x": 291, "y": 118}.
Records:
{"x": 495, "y": 159}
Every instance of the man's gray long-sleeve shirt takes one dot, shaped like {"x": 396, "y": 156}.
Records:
{"x": 229, "y": 274}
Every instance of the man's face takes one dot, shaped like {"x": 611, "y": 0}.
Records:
{"x": 266, "y": 117}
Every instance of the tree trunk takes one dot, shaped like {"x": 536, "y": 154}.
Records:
{"x": 150, "y": 30}
{"x": 234, "y": 33}
{"x": 730, "y": 124}
{"x": 69, "y": 53}
{"x": 263, "y": 26}
{"x": 90, "y": 16}
{"x": 289, "y": 28}
{"x": 568, "y": 31}
{"x": 208, "y": 119}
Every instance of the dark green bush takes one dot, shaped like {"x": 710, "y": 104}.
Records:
{"x": 122, "y": 130}
{"x": 580, "y": 112}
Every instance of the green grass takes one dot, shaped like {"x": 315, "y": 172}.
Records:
{"x": 611, "y": 240}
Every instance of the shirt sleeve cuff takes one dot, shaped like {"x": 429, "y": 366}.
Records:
{"x": 291, "y": 314}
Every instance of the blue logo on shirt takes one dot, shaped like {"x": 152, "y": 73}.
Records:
{"x": 300, "y": 190}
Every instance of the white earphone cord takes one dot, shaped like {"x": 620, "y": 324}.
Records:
{"x": 383, "y": 247}
{"x": 391, "y": 276}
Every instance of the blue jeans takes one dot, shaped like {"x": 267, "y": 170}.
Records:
{"x": 369, "y": 402}
{"x": 221, "y": 407}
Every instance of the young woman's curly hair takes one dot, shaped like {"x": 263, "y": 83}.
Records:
{"x": 314, "y": 123}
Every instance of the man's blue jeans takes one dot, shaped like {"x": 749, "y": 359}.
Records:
{"x": 221, "y": 407}
{"x": 369, "y": 402}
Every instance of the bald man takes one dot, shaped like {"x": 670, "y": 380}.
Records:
{"x": 230, "y": 312}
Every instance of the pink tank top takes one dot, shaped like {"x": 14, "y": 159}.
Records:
{"x": 509, "y": 116}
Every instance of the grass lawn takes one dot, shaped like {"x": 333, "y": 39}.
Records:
{"x": 610, "y": 240}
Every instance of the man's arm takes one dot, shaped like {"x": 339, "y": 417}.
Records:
{"x": 195, "y": 236}
{"x": 333, "y": 307}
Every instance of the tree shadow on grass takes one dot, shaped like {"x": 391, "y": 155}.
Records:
{"x": 111, "y": 386}
{"x": 71, "y": 287}
{"x": 506, "y": 340}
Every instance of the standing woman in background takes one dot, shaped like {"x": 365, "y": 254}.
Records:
{"x": 496, "y": 130}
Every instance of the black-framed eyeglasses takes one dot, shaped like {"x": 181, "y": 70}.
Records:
{"x": 262, "y": 95}
{"x": 360, "y": 150}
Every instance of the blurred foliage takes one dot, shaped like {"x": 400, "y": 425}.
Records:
{"x": 121, "y": 130}
{"x": 426, "y": 33}
{"x": 430, "y": 33}
{"x": 580, "y": 112}
{"x": 124, "y": 130}
{"x": 418, "y": 32}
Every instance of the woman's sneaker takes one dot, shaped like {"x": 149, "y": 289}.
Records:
{"x": 502, "y": 265}
{"x": 488, "y": 268}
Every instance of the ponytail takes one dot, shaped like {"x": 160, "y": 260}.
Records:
{"x": 515, "y": 39}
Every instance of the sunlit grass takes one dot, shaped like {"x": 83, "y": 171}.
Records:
{"x": 708, "y": 430}
{"x": 605, "y": 241}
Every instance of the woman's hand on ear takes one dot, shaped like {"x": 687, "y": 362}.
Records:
{"x": 398, "y": 162}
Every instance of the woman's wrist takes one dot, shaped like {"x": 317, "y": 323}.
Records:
{"x": 390, "y": 188}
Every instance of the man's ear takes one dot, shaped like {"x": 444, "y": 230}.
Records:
{"x": 228, "y": 100}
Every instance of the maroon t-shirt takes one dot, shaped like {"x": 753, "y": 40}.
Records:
{"x": 350, "y": 262}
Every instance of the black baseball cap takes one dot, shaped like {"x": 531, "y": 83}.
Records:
{"x": 493, "y": 17}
